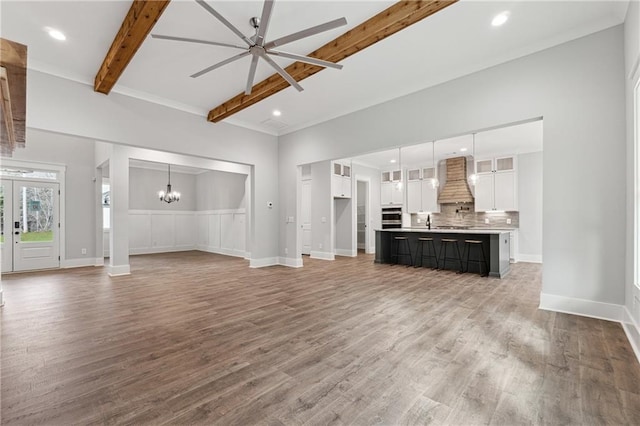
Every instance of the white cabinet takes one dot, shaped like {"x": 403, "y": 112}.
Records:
{"x": 341, "y": 180}
{"x": 391, "y": 189}
{"x": 421, "y": 194}
{"x": 496, "y": 187}
{"x": 391, "y": 193}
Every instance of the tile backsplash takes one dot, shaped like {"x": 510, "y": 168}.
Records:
{"x": 464, "y": 215}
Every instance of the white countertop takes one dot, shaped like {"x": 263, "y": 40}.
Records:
{"x": 448, "y": 231}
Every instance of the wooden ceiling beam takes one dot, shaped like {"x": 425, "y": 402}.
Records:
{"x": 391, "y": 20}
{"x": 142, "y": 16}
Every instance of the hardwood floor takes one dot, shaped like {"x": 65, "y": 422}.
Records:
{"x": 198, "y": 338}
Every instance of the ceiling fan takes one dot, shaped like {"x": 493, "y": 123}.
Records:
{"x": 258, "y": 47}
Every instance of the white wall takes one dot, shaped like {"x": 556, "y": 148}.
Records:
{"x": 120, "y": 119}
{"x": 220, "y": 190}
{"x": 77, "y": 154}
{"x": 144, "y": 185}
{"x": 530, "y": 206}
{"x": 577, "y": 87}
{"x": 632, "y": 74}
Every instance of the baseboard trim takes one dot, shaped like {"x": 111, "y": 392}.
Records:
{"x": 154, "y": 250}
{"x": 290, "y": 262}
{"x": 81, "y": 263}
{"x": 632, "y": 330}
{"x": 322, "y": 255}
{"x": 346, "y": 252}
{"x": 99, "y": 261}
{"x": 585, "y": 308}
{"x": 226, "y": 252}
{"x": 264, "y": 262}
{"x": 529, "y": 258}
{"x": 116, "y": 271}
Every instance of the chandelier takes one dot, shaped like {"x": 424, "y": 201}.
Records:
{"x": 169, "y": 196}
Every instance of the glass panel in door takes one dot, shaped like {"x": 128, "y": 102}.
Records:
{"x": 6, "y": 234}
{"x": 35, "y": 211}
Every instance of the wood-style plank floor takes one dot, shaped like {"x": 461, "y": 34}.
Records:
{"x": 198, "y": 338}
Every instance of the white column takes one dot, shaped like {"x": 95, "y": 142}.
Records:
{"x": 119, "y": 212}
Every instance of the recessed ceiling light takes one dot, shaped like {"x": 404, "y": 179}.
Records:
{"x": 276, "y": 113}
{"x": 500, "y": 18}
{"x": 463, "y": 149}
{"x": 392, "y": 161}
{"x": 57, "y": 34}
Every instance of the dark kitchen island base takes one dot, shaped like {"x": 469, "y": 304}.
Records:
{"x": 495, "y": 244}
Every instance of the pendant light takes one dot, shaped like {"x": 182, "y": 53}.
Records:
{"x": 434, "y": 180}
{"x": 169, "y": 196}
{"x": 473, "y": 178}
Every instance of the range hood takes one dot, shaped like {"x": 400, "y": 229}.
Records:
{"x": 456, "y": 189}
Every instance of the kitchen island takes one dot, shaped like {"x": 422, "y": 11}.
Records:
{"x": 495, "y": 244}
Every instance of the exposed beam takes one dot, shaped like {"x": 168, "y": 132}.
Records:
{"x": 391, "y": 20}
{"x": 13, "y": 96}
{"x": 139, "y": 21}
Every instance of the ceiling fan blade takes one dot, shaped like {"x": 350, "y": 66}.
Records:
{"x": 305, "y": 59}
{"x": 194, "y": 40}
{"x": 306, "y": 33}
{"x": 224, "y": 21}
{"x": 264, "y": 21}
{"x": 219, "y": 64}
{"x": 282, "y": 72}
{"x": 252, "y": 74}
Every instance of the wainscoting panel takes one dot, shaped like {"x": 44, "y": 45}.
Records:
{"x": 185, "y": 231}
{"x": 139, "y": 231}
{"x": 214, "y": 231}
{"x": 226, "y": 231}
{"x": 157, "y": 231}
{"x": 163, "y": 231}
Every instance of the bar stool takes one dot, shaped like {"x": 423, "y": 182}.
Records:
{"x": 444, "y": 243}
{"x": 481, "y": 260}
{"x": 396, "y": 254}
{"x": 431, "y": 248}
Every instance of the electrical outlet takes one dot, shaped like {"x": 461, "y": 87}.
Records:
{"x": 508, "y": 221}
{"x": 286, "y": 251}
{"x": 419, "y": 220}
{"x": 84, "y": 251}
{"x": 320, "y": 245}
{"x": 323, "y": 219}
{"x": 486, "y": 220}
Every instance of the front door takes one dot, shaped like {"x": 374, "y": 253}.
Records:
{"x": 30, "y": 225}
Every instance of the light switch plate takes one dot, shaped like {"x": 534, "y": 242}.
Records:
{"x": 509, "y": 221}
{"x": 486, "y": 220}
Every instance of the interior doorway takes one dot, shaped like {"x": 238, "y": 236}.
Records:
{"x": 306, "y": 216}
{"x": 362, "y": 216}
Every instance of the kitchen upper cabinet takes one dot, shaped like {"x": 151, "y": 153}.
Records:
{"x": 391, "y": 189}
{"x": 496, "y": 187}
{"x": 421, "y": 195}
{"x": 341, "y": 180}
{"x": 390, "y": 194}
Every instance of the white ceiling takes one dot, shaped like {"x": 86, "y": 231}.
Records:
{"x": 456, "y": 41}
{"x": 518, "y": 139}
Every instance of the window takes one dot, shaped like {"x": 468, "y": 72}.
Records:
{"x": 636, "y": 119}
{"x": 106, "y": 204}
{"x": 33, "y": 174}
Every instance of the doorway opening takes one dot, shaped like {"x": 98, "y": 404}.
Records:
{"x": 30, "y": 218}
